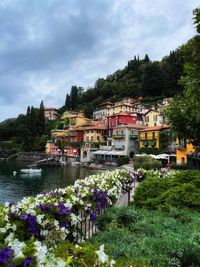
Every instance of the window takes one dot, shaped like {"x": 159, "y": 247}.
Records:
{"x": 98, "y": 138}
{"x": 92, "y": 138}
{"x": 155, "y": 118}
{"x": 146, "y": 134}
{"x": 147, "y": 119}
{"x": 153, "y": 135}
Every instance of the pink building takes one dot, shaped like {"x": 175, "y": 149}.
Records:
{"x": 51, "y": 114}
{"x": 123, "y": 118}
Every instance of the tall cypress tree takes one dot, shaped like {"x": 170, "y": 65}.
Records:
{"x": 74, "y": 97}
{"x": 67, "y": 102}
{"x": 41, "y": 119}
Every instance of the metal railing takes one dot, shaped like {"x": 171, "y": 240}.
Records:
{"x": 87, "y": 227}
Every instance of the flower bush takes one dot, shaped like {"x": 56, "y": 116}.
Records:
{"x": 141, "y": 174}
{"x": 31, "y": 227}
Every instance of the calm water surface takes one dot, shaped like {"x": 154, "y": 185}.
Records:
{"x": 14, "y": 188}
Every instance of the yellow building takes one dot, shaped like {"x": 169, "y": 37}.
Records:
{"x": 74, "y": 118}
{"x": 94, "y": 134}
{"x": 182, "y": 149}
{"x": 150, "y": 136}
{"x": 153, "y": 118}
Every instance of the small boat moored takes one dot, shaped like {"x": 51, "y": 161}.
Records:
{"x": 31, "y": 171}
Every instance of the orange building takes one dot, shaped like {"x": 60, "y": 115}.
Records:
{"x": 182, "y": 149}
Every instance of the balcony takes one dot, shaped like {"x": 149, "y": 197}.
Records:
{"x": 152, "y": 143}
{"x": 181, "y": 146}
{"x": 148, "y": 138}
{"x": 133, "y": 136}
{"x": 118, "y": 136}
{"x": 145, "y": 143}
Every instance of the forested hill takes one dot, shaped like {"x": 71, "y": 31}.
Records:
{"x": 141, "y": 77}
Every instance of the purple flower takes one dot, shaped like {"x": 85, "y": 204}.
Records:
{"x": 64, "y": 224}
{"x": 96, "y": 192}
{"x": 28, "y": 261}
{"x": 23, "y": 217}
{"x": 11, "y": 203}
{"x": 93, "y": 216}
{"x": 5, "y": 254}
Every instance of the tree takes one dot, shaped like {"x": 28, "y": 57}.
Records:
{"x": 67, "y": 102}
{"x": 74, "y": 97}
{"x": 172, "y": 72}
{"x": 146, "y": 58}
{"x": 41, "y": 119}
{"x": 152, "y": 83}
{"x": 184, "y": 111}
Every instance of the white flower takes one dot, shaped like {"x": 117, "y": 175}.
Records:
{"x": 112, "y": 263}
{"x": 9, "y": 238}
{"x": 103, "y": 258}
{"x": 17, "y": 246}
{"x": 61, "y": 263}
{"x": 41, "y": 251}
{"x": 68, "y": 204}
{"x": 3, "y": 230}
{"x": 39, "y": 218}
{"x": 6, "y": 218}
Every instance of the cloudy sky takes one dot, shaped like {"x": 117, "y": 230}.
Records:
{"x": 46, "y": 46}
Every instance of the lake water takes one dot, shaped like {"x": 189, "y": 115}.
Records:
{"x": 14, "y": 188}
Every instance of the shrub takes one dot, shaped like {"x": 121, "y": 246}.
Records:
{"x": 136, "y": 237}
{"x": 122, "y": 161}
{"x": 176, "y": 166}
{"x": 146, "y": 162}
{"x": 183, "y": 191}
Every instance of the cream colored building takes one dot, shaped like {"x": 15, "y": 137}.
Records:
{"x": 153, "y": 118}
{"x": 126, "y": 105}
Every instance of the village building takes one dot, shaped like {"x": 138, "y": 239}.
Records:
{"x": 101, "y": 112}
{"x": 155, "y": 138}
{"x": 183, "y": 149}
{"x": 125, "y": 105}
{"x": 153, "y": 118}
{"x": 74, "y": 119}
{"x": 122, "y": 118}
{"x": 51, "y": 114}
{"x": 93, "y": 137}
{"x": 125, "y": 144}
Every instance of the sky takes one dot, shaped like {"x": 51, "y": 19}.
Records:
{"x": 46, "y": 46}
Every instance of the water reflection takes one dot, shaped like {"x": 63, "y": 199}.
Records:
{"x": 13, "y": 188}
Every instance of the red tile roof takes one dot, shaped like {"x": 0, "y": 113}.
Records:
{"x": 134, "y": 126}
{"x": 92, "y": 127}
{"x": 155, "y": 128}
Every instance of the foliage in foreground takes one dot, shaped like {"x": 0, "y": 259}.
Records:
{"x": 140, "y": 237}
{"x": 31, "y": 229}
{"x": 182, "y": 191}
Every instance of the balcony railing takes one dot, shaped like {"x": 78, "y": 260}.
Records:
{"x": 133, "y": 136}
{"x": 181, "y": 147}
{"x": 118, "y": 136}
{"x": 148, "y": 138}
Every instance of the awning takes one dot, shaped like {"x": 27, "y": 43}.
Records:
{"x": 112, "y": 152}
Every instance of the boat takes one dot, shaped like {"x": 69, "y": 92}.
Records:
{"x": 31, "y": 171}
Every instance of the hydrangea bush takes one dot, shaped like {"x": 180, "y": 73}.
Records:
{"x": 31, "y": 228}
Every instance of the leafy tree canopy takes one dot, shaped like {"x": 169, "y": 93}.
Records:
{"x": 184, "y": 113}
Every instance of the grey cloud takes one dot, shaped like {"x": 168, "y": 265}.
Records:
{"x": 58, "y": 39}
{"x": 48, "y": 45}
